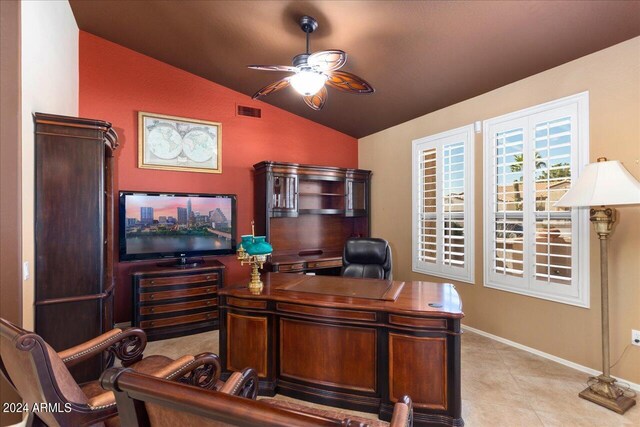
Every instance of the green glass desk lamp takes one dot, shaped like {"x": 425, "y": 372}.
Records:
{"x": 254, "y": 250}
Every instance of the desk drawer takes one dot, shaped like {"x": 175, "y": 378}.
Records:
{"x": 283, "y": 268}
{"x": 179, "y": 280}
{"x": 171, "y": 321}
{"x": 325, "y": 264}
{"x": 169, "y": 308}
{"x": 245, "y": 303}
{"x": 332, "y": 313}
{"x": 417, "y": 322}
{"x": 181, "y": 293}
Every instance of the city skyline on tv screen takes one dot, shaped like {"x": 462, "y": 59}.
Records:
{"x": 158, "y": 224}
{"x": 168, "y": 205}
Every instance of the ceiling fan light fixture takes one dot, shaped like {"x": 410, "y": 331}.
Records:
{"x": 312, "y": 71}
{"x": 308, "y": 82}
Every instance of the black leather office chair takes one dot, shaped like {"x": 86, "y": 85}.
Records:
{"x": 367, "y": 258}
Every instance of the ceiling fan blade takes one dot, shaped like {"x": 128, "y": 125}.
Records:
{"x": 273, "y": 87}
{"x": 287, "y": 68}
{"x": 317, "y": 100}
{"x": 348, "y": 82}
{"x": 327, "y": 60}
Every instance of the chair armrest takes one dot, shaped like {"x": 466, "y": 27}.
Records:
{"x": 243, "y": 384}
{"x": 126, "y": 345}
{"x": 402, "y": 413}
{"x": 102, "y": 401}
{"x": 201, "y": 371}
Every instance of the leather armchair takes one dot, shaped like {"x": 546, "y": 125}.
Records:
{"x": 39, "y": 374}
{"x": 367, "y": 258}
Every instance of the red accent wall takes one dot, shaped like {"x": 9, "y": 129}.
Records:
{"x": 116, "y": 83}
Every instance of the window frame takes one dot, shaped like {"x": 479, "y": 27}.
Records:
{"x": 464, "y": 274}
{"x": 579, "y": 292}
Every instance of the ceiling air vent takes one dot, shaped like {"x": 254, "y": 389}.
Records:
{"x": 249, "y": 111}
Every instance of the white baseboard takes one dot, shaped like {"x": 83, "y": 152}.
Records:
{"x": 551, "y": 357}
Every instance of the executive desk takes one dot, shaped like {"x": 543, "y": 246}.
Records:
{"x": 352, "y": 343}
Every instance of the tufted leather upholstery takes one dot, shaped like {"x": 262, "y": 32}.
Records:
{"x": 367, "y": 258}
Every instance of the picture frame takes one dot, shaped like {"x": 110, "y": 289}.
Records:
{"x": 179, "y": 143}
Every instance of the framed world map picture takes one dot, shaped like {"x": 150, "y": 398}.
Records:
{"x": 179, "y": 144}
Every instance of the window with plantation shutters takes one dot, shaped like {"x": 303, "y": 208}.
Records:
{"x": 531, "y": 157}
{"x": 443, "y": 204}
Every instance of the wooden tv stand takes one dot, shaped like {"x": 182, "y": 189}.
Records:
{"x": 172, "y": 301}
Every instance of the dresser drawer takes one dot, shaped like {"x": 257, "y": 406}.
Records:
{"x": 179, "y": 280}
{"x": 169, "y": 308}
{"x": 170, "y": 301}
{"x": 180, "y": 320}
{"x": 180, "y": 293}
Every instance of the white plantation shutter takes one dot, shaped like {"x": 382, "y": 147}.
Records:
{"x": 442, "y": 210}
{"x": 507, "y": 194}
{"x": 453, "y": 159}
{"x": 531, "y": 158}
{"x": 427, "y": 249}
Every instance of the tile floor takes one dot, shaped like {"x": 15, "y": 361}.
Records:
{"x": 501, "y": 386}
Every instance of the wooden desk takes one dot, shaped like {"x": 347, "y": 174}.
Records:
{"x": 310, "y": 338}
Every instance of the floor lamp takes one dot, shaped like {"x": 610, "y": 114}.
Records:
{"x": 599, "y": 186}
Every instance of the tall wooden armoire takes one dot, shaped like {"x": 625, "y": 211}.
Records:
{"x": 74, "y": 233}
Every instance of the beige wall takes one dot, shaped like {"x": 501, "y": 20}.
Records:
{"x": 49, "y": 36}
{"x": 612, "y": 77}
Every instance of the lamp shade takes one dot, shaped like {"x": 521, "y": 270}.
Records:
{"x": 602, "y": 183}
{"x": 308, "y": 82}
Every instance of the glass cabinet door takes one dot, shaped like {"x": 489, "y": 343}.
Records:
{"x": 285, "y": 195}
{"x": 356, "y": 197}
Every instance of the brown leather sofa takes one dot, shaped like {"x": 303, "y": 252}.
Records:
{"x": 153, "y": 402}
{"x": 40, "y": 374}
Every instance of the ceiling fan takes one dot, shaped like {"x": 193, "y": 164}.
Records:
{"x": 313, "y": 71}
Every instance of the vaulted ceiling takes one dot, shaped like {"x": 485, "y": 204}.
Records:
{"x": 420, "y": 56}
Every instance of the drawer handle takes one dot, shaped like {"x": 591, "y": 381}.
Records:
{"x": 153, "y": 282}
{"x": 208, "y": 277}
{"x": 208, "y": 290}
{"x": 208, "y": 316}
{"x": 152, "y": 310}
{"x": 208, "y": 302}
{"x": 152, "y": 323}
{"x": 152, "y": 296}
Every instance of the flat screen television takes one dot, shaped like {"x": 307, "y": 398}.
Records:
{"x": 176, "y": 225}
